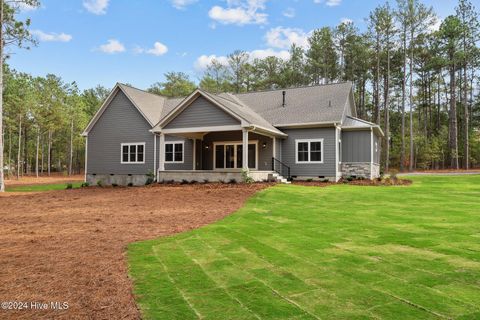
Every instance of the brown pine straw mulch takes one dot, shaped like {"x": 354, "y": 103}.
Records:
{"x": 70, "y": 245}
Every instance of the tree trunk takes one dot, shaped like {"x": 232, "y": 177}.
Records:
{"x": 410, "y": 167}
{"x": 2, "y": 180}
{"x": 466, "y": 145}
{"x": 453, "y": 120}
{"x": 70, "y": 159}
{"x": 387, "y": 110}
{"x": 49, "y": 153}
{"x": 19, "y": 151}
{"x": 404, "y": 94}
{"x": 9, "y": 152}
{"x": 37, "y": 151}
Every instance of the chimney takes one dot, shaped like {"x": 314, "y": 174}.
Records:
{"x": 283, "y": 93}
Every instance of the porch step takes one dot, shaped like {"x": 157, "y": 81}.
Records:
{"x": 280, "y": 179}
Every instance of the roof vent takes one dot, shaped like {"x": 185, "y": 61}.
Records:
{"x": 284, "y": 93}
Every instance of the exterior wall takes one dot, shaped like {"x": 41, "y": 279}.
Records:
{"x": 356, "y": 146}
{"x": 264, "y": 154}
{"x": 120, "y": 123}
{"x": 202, "y": 113}
{"x": 376, "y": 151}
{"x": 325, "y": 169}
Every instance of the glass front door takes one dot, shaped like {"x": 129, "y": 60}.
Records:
{"x": 230, "y": 156}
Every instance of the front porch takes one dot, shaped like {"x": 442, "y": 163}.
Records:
{"x": 213, "y": 176}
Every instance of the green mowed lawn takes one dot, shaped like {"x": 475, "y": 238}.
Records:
{"x": 43, "y": 187}
{"x": 341, "y": 252}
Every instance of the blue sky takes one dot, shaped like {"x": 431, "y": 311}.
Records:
{"x": 107, "y": 41}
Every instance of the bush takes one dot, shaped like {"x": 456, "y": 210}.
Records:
{"x": 246, "y": 177}
{"x": 100, "y": 183}
{"x": 130, "y": 184}
{"x": 150, "y": 178}
{"x": 69, "y": 186}
{"x": 114, "y": 185}
{"x": 206, "y": 181}
{"x": 193, "y": 182}
{"x": 350, "y": 178}
{"x": 149, "y": 181}
{"x": 184, "y": 181}
{"x": 309, "y": 180}
{"x": 325, "y": 180}
{"x": 232, "y": 181}
{"x": 85, "y": 184}
{"x": 170, "y": 181}
{"x": 393, "y": 174}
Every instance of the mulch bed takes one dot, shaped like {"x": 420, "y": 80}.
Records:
{"x": 70, "y": 245}
{"x": 365, "y": 182}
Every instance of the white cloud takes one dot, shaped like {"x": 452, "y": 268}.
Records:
{"x": 112, "y": 46}
{"x": 240, "y": 12}
{"x": 329, "y": 3}
{"x": 52, "y": 37}
{"x": 283, "y": 38}
{"x": 97, "y": 7}
{"x": 289, "y": 12}
{"x": 158, "y": 49}
{"x": 182, "y": 4}
{"x": 204, "y": 61}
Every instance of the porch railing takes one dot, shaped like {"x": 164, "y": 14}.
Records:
{"x": 281, "y": 168}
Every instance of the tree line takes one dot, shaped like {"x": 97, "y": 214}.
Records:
{"x": 420, "y": 84}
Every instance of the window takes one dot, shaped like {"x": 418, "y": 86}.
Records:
{"x": 309, "y": 151}
{"x": 133, "y": 152}
{"x": 174, "y": 152}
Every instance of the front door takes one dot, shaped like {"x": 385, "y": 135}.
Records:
{"x": 229, "y": 155}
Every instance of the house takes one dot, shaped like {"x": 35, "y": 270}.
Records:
{"x": 300, "y": 133}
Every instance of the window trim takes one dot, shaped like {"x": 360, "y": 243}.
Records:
{"x": 309, "y": 141}
{"x": 174, "y": 143}
{"x": 136, "y": 152}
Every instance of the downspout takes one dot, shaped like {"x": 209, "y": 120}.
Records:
{"x": 86, "y": 157}
{"x": 155, "y": 156}
{"x": 371, "y": 153}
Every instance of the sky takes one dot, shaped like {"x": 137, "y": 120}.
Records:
{"x": 104, "y": 42}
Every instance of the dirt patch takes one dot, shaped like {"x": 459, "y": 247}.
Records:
{"x": 70, "y": 245}
{"x": 42, "y": 180}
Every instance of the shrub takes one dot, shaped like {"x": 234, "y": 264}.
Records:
{"x": 206, "y": 181}
{"x": 393, "y": 174}
{"x": 246, "y": 177}
{"x": 350, "y": 178}
{"x": 193, "y": 182}
{"x": 184, "y": 181}
{"x": 149, "y": 181}
{"x": 170, "y": 181}
{"x": 221, "y": 181}
{"x": 309, "y": 180}
{"x": 232, "y": 181}
{"x": 130, "y": 184}
{"x": 85, "y": 184}
{"x": 150, "y": 178}
{"x": 100, "y": 183}
{"x": 324, "y": 180}
{"x": 114, "y": 185}
{"x": 69, "y": 186}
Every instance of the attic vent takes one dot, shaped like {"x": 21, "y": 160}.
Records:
{"x": 284, "y": 93}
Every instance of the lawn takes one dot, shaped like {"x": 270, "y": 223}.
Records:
{"x": 42, "y": 187}
{"x": 341, "y": 252}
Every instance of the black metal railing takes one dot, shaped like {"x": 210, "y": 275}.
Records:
{"x": 281, "y": 168}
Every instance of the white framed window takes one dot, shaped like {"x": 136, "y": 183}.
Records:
{"x": 174, "y": 152}
{"x": 309, "y": 151}
{"x": 132, "y": 153}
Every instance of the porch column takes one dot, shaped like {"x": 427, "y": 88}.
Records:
{"x": 194, "y": 155}
{"x": 245, "y": 149}
{"x": 161, "y": 165}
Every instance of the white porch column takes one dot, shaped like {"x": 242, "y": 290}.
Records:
{"x": 245, "y": 149}
{"x": 161, "y": 165}
{"x": 274, "y": 147}
{"x": 194, "y": 155}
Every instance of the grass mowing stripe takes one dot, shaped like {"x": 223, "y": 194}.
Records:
{"x": 337, "y": 252}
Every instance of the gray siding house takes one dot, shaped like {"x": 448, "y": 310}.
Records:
{"x": 299, "y": 133}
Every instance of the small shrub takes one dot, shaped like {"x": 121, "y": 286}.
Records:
{"x": 350, "y": 178}
{"x": 206, "y": 181}
{"x": 324, "y": 180}
{"x": 232, "y": 181}
{"x": 69, "y": 186}
{"x": 246, "y": 177}
{"x": 221, "y": 181}
{"x": 393, "y": 174}
{"x": 130, "y": 184}
{"x": 114, "y": 185}
{"x": 170, "y": 181}
{"x": 85, "y": 184}
{"x": 149, "y": 181}
{"x": 184, "y": 181}
{"x": 309, "y": 180}
{"x": 193, "y": 182}
{"x": 100, "y": 183}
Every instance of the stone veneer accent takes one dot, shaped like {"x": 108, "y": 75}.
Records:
{"x": 360, "y": 169}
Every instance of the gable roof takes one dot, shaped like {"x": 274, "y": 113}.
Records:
{"x": 352, "y": 123}
{"x": 313, "y": 104}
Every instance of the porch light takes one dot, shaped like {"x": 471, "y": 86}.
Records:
{"x": 207, "y": 147}
{"x": 264, "y": 145}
